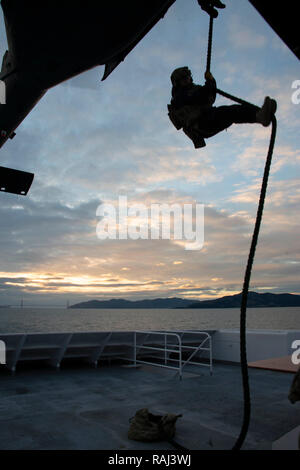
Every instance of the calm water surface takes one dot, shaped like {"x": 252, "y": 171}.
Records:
{"x": 38, "y": 320}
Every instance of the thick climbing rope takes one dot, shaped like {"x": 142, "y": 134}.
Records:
{"x": 209, "y": 45}
{"x": 244, "y": 365}
{"x": 243, "y": 349}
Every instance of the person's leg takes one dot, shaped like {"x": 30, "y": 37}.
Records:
{"x": 222, "y": 117}
{"x": 216, "y": 119}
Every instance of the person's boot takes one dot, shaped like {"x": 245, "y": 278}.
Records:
{"x": 265, "y": 114}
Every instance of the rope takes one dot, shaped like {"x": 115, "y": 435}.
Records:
{"x": 243, "y": 350}
{"x": 235, "y": 98}
{"x": 209, "y": 46}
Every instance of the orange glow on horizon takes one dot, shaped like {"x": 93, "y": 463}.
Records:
{"x": 61, "y": 283}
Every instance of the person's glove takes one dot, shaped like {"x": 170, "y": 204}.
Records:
{"x": 208, "y": 76}
{"x": 210, "y": 6}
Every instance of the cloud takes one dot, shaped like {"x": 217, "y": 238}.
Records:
{"x": 283, "y": 194}
{"x": 251, "y": 161}
{"x": 85, "y": 266}
{"x": 242, "y": 36}
{"x": 69, "y": 235}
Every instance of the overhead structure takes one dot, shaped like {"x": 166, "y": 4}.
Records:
{"x": 15, "y": 181}
{"x": 54, "y": 40}
{"x": 283, "y": 19}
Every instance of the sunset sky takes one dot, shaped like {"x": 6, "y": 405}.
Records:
{"x": 88, "y": 142}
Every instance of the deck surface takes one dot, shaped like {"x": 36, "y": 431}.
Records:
{"x": 79, "y": 407}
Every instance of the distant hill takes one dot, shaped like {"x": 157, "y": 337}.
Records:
{"x": 230, "y": 301}
{"x": 123, "y": 303}
{"x": 254, "y": 300}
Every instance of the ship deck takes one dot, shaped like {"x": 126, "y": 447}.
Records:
{"x": 81, "y": 407}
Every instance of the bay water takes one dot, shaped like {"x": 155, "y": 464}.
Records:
{"x": 55, "y": 320}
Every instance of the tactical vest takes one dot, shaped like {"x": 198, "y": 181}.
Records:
{"x": 186, "y": 118}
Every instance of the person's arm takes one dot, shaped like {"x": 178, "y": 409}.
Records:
{"x": 210, "y": 86}
{"x": 196, "y": 94}
{"x": 204, "y": 95}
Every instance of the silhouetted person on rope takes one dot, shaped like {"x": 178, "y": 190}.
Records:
{"x": 192, "y": 109}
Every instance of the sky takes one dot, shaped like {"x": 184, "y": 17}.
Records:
{"x": 90, "y": 142}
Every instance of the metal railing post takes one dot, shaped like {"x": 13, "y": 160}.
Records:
{"x": 165, "y": 349}
{"x": 210, "y": 355}
{"x": 134, "y": 343}
{"x": 180, "y": 358}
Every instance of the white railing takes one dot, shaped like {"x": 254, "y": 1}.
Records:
{"x": 95, "y": 347}
{"x": 168, "y": 348}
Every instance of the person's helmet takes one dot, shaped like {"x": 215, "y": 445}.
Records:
{"x": 179, "y": 74}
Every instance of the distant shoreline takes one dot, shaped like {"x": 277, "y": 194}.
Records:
{"x": 255, "y": 300}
